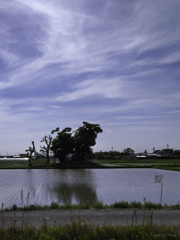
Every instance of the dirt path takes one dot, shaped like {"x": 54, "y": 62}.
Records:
{"x": 103, "y": 216}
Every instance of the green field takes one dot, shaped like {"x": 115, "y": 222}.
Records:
{"x": 82, "y": 230}
{"x": 41, "y": 164}
{"x": 167, "y": 164}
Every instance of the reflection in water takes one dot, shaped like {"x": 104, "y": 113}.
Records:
{"x": 86, "y": 186}
{"x": 75, "y": 187}
{"x": 76, "y": 193}
{"x": 46, "y": 186}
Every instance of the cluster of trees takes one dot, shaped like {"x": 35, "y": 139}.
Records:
{"x": 164, "y": 153}
{"x": 78, "y": 143}
{"x": 114, "y": 154}
{"x": 169, "y": 152}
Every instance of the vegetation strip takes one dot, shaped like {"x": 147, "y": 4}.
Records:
{"x": 81, "y": 230}
{"x": 121, "y": 205}
{"x": 165, "y": 164}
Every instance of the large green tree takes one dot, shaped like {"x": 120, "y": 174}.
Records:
{"x": 62, "y": 144}
{"x": 84, "y": 139}
{"x": 128, "y": 151}
{"x": 78, "y": 143}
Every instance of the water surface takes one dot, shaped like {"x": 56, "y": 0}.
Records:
{"x": 13, "y": 159}
{"x": 86, "y": 186}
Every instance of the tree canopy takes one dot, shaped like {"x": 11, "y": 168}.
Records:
{"x": 63, "y": 143}
{"x": 128, "y": 151}
{"x": 77, "y": 143}
{"x": 84, "y": 139}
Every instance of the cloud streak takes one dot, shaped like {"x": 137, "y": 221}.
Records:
{"x": 104, "y": 62}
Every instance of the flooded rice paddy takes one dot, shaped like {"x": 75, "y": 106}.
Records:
{"x": 13, "y": 159}
{"x": 89, "y": 186}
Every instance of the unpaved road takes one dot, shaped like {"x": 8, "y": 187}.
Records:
{"x": 93, "y": 217}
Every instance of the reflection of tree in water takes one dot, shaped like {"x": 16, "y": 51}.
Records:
{"x": 76, "y": 187}
{"x": 81, "y": 193}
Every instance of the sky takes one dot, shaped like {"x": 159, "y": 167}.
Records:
{"x": 110, "y": 62}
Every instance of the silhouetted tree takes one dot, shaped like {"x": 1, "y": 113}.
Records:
{"x": 78, "y": 144}
{"x": 62, "y": 144}
{"x": 128, "y": 151}
{"x": 46, "y": 149}
{"x": 84, "y": 139}
{"x": 31, "y": 150}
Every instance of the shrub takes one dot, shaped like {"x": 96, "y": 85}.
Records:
{"x": 120, "y": 205}
{"x": 14, "y": 207}
{"x": 98, "y": 206}
{"x": 54, "y": 205}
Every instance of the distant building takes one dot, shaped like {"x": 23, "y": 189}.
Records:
{"x": 22, "y": 155}
{"x": 132, "y": 157}
{"x": 69, "y": 155}
{"x": 141, "y": 157}
{"x": 152, "y": 155}
{"x": 36, "y": 154}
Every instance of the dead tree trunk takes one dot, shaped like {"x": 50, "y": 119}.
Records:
{"x": 46, "y": 149}
{"x": 31, "y": 150}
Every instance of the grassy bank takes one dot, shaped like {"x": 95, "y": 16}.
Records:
{"x": 41, "y": 164}
{"x": 167, "y": 164}
{"x": 120, "y": 205}
{"x": 81, "y": 230}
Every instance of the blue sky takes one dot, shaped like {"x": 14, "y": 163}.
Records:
{"x": 111, "y": 62}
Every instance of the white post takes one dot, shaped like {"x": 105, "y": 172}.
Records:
{"x": 161, "y": 191}
{"x": 159, "y": 179}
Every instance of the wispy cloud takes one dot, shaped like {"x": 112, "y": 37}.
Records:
{"x": 101, "y": 87}
{"x": 100, "y": 61}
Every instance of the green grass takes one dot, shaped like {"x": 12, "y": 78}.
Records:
{"x": 138, "y": 161}
{"x": 98, "y": 206}
{"x": 120, "y": 205}
{"x": 167, "y": 164}
{"x": 138, "y": 205}
{"x": 81, "y": 230}
{"x": 53, "y": 205}
{"x": 40, "y": 164}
